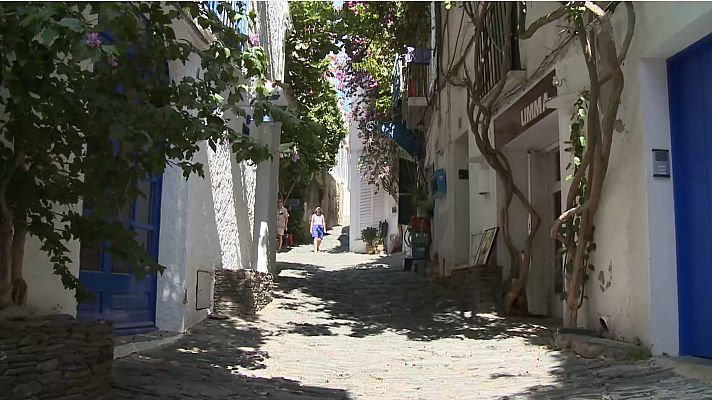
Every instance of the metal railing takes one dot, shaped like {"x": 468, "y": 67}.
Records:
{"x": 492, "y": 58}
{"x": 417, "y": 80}
{"x": 237, "y": 6}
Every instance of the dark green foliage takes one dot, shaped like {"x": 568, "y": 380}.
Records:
{"x": 85, "y": 119}
{"x": 313, "y": 38}
{"x": 297, "y": 228}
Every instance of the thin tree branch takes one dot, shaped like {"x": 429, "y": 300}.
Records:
{"x": 630, "y": 9}
{"x": 542, "y": 21}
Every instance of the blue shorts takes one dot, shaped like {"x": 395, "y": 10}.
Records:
{"x": 317, "y": 231}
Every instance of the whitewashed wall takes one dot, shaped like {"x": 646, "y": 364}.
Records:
{"x": 191, "y": 237}
{"x": 633, "y": 227}
{"x": 636, "y": 246}
{"x": 368, "y": 205}
{"x": 341, "y": 173}
{"x": 211, "y": 223}
{"x": 172, "y": 294}
{"x": 45, "y": 291}
{"x": 272, "y": 23}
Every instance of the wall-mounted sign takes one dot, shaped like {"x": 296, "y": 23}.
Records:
{"x": 438, "y": 183}
{"x": 525, "y": 112}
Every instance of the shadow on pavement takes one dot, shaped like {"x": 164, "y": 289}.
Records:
{"x": 376, "y": 297}
{"x": 205, "y": 364}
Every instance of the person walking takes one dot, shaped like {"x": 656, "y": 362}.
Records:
{"x": 282, "y": 223}
{"x": 317, "y": 226}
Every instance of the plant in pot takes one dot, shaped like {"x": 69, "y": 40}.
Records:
{"x": 369, "y": 236}
{"x": 423, "y": 206}
{"x": 378, "y": 244}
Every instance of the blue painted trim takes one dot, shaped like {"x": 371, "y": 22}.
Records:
{"x": 698, "y": 45}
{"x": 690, "y": 102}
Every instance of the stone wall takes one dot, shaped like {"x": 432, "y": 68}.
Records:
{"x": 55, "y": 357}
{"x": 241, "y": 292}
{"x": 478, "y": 288}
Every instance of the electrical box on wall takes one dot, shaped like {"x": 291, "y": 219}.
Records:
{"x": 661, "y": 163}
{"x": 438, "y": 183}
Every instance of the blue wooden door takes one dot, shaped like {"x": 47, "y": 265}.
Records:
{"x": 690, "y": 94}
{"x": 121, "y": 298}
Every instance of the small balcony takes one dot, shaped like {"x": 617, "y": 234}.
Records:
{"x": 411, "y": 85}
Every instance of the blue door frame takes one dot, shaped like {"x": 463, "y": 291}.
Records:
{"x": 690, "y": 97}
{"x": 120, "y": 297}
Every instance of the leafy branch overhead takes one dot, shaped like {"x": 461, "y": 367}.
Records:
{"x": 88, "y": 109}
{"x": 309, "y": 49}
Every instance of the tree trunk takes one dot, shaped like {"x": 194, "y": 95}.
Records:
{"x": 6, "y": 235}
{"x": 19, "y": 286}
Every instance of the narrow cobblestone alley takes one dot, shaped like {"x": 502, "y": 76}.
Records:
{"x": 348, "y": 326}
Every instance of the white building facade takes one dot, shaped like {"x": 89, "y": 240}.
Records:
{"x": 653, "y": 254}
{"x": 197, "y": 226}
{"x": 368, "y": 205}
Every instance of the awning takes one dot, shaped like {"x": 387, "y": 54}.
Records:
{"x": 404, "y": 137}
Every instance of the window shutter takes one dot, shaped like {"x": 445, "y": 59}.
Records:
{"x": 365, "y": 206}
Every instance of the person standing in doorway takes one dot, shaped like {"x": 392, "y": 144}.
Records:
{"x": 317, "y": 226}
{"x": 282, "y": 223}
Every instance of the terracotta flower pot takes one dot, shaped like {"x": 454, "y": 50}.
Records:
{"x": 381, "y": 249}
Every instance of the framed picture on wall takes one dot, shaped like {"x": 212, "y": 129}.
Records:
{"x": 485, "y": 248}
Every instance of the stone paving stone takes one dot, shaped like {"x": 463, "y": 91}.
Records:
{"x": 349, "y": 326}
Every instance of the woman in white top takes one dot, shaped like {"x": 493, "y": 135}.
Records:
{"x": 317, "y": 226}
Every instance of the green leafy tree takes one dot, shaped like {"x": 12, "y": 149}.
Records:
{"x": 315, "y": 36}
{"x": 87, "y": 110}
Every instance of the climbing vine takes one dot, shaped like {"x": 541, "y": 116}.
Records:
{"x": 604, "y": 58}
{"x": 570, "y": 230}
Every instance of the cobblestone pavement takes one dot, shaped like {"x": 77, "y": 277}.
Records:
{"x": 347, "y": 326}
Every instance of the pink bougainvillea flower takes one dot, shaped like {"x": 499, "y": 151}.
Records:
{"x": 295, "y": 156}
{"x": 93, "y": 40}
{"x": 254, "y": 39}
{"x": 113, "y": 61}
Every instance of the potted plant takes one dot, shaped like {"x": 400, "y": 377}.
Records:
{"x": 380, "y": 247}
{"x": 369, "y": 236}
